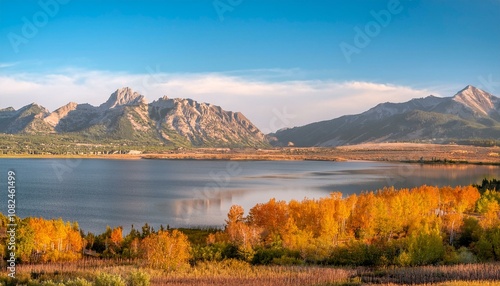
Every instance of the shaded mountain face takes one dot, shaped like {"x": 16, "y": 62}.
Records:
{"x": 470, "y": 114}
{"x": 127, "y": 115}
{"x": 28, "y": 119}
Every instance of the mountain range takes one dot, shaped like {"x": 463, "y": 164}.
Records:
{"x": 128, "y": 115}
{"x": 469, "y": 114}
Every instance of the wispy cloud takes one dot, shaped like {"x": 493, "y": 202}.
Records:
{"x": 7, "y": 65}
{"x": 260, "y": 99}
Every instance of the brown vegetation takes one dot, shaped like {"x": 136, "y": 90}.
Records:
{"x": 242, "y": 274}
{"x": 392, "y": 152}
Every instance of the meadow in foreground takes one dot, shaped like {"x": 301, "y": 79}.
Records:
{"x": 233, "y": 272}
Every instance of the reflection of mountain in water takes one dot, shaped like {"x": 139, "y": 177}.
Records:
{"x": 185, "y": 193}
{"x": 207, "y": 203}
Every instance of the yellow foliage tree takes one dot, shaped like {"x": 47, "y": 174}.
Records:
{"x": 166, "y": 250}
{"x": 270, "y": 217}
{"x": 239, "y": 231}
{"x": 55, "y": 240}
{"x": 116, "y": 239}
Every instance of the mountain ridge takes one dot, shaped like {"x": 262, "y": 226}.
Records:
{"x": 182, "y": 122}
{"x": 128, "y": 115}
{"x": 471, "y": 113}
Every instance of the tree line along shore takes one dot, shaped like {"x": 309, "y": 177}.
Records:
{"x": 390, "y": 152}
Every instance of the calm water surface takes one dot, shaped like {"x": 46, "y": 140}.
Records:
{"x": 97, "y": 193}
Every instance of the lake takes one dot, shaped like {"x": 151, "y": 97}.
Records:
{"x": 97, "y": 193}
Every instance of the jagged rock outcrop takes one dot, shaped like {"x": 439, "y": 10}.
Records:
{"x": 127, "y": 115}
{"x": 202, "y": 123}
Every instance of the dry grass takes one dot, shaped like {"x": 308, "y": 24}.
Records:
{"x": 229, "y": 272}
{"x": 393, "y": 152}
{"x": 426, "y": 275}
{"x": 451, "y": 283}
{"x": 232, "y": 272}
{"x": 278, "y": 276}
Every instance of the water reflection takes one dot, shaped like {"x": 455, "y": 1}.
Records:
{"x": 186, "y": 193}
{"x": 349, "y": 179}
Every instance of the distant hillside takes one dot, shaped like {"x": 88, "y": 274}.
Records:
{"x": 128, "y": 115}
{"x": 471, "y": 114}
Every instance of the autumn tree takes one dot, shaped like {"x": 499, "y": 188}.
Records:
{"x": 241, "y": 233}
{"x": 116, "y": 239}
{"x": 165, "y": 250}
{"x": 362, "y": 222}
{"x": 25, "y": 240}
{"x": 271, "y": 217}
{"x": 489, "y": 207}
{"x": 55, "y": 240}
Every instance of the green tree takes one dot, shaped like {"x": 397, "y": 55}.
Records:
{"x": 425, "y": 248}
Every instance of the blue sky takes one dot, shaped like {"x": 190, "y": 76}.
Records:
{"x": 258, "y": 57}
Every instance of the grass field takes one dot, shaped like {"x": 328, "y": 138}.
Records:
{"x": 233, "y": 272}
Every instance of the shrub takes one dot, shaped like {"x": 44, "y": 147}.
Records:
{"x": 488, "y": 246}
{"x": 471, "y": 231}
{"x": 287, "y": 260}
{"x": 138, "y": 278}
{"x": 21, "y": 279}
{"x": 404, "y": 259}
{"x": 355, "y": 253}
{"x": 78, "y": 282}
{"x": 266, "y": 256}
{"x": 426, "y": 248}
{"x": 214, "y": 252}
{"x": 484, "y": 249}
{"x": 51, "y": 283}
{"x": 105, "y": 279}
{"x": 466, "y": 256}
{"x": 451, "y": 256}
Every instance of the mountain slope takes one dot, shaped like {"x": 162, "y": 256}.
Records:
{"x": 28, "y": 119}
{"x": 127, "y": 115}
{"x": 469, "y": 114}
{"x": 203, "y": 124}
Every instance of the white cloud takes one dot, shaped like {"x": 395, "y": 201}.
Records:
{"x": 269, "y": 104}
{"x": 7, "y": 65}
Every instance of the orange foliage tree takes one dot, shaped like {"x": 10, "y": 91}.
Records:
{"x": 55, "y": 240}
{"x": 314, "y": 226}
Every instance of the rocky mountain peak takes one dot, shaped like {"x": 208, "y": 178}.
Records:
{"x": 170, "y": 121}
{"x": 33, "y": 108}
{"x": 476, "y": 99}
{"x": 123, "y": 97}
{"x": 54, "y": 118}
{"x": 470, "y": 114}
{"x": 163, "y": 102}
{"x": 8, "y": 109}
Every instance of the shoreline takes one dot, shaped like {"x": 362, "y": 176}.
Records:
{"x": 414, "y": 153}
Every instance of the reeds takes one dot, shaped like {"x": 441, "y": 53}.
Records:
{"x": 234, "y": 272}
{"x": 434, "y": 274}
